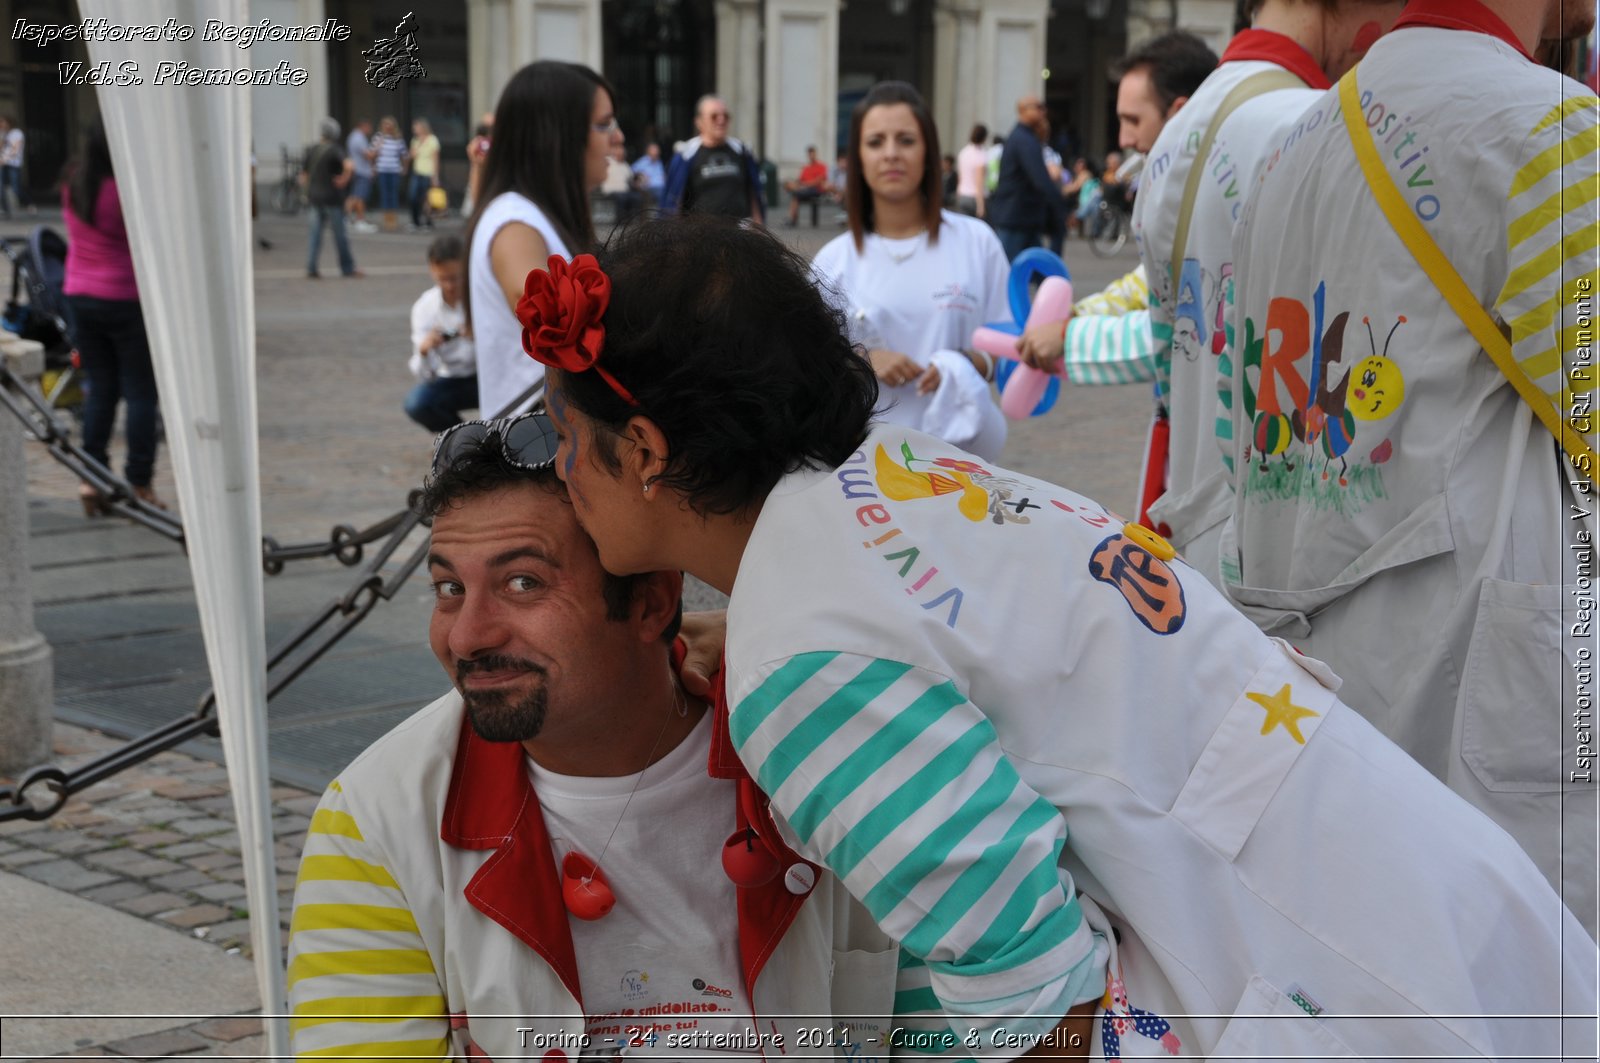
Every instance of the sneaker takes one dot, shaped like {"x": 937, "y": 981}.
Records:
{"x": 355, "y": 273}
{"x": 313, "y": 276}
{"x": 363, "y": 227}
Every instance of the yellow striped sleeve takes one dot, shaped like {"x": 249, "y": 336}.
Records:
{"x": 424, "y": 1049}
{"x": 1558, "y": 203}
{"x": 1124, "y": 295}
{"x": 326, "y": 821}
{"x": 374, "y": 918}
{"x": 344, "y": 869}
{"x": 1566, "y": 108}
{"x": 1567, "y": 152}
{"x": 362, "y": 981}
{"x": 1541, "y": 316}
{"x": 359, "y": 962}
{"x": 366, "y": 1009}
{"x": 1548, "y": 262}
{"x": 1553, "y": 246}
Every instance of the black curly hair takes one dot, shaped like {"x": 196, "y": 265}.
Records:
{"x": 721, "y": 334}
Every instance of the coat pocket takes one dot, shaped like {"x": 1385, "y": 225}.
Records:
{"x": 1515, "y": 735}
{"x": 1267, "y": 1024}
{"x": 863, "y": 1003}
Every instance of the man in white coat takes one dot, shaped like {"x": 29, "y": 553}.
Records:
{"x": 1400, "y": 511}
{"x": 1269, "y": 74}
{"x": 532, "y": 866}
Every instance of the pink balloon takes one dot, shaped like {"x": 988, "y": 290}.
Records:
{"x": 1051, "y": 303}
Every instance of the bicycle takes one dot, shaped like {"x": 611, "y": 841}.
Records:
{"x": 287, "y": 195}
{"x": 1108, "y": 229}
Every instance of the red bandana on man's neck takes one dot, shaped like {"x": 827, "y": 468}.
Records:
{"x": 1273, "y": 47}
{"x": 1461, "y": 15}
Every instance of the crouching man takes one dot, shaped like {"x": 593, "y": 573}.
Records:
{"x": 533, "y": 865}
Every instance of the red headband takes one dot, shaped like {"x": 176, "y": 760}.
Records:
{"x": 560, "y": 310}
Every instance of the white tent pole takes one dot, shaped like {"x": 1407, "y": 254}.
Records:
{"x": 182, "y": 157}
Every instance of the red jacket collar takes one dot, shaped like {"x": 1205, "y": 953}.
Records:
{"x": 1285, "y": 52}
{"x": 491, "y": 804}
{"x": 1462, "y": 15}
{"x": 1272, "y": 47}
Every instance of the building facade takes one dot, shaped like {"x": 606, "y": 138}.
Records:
{"x": 790, "y": 70}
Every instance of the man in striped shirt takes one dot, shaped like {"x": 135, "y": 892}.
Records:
{"x": 1400, "y": 512}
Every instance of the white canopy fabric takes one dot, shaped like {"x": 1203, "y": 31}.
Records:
{"x": 182, "y": 158}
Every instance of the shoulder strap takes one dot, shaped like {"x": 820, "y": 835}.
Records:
{"x": 1249, "y": 88}
{"x": 1445, "y": 277}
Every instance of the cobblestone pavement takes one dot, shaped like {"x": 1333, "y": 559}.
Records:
{"x": 158, "y": 842}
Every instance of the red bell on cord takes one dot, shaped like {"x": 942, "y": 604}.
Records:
{"x": 747, "y": 860}
{"x": 584, "y": 887}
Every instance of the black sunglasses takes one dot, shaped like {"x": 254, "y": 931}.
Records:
{"x": 527, "y": 441}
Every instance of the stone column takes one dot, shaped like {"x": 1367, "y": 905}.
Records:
{"x": 739, "y": 70}
{"x": 801, "y": 81}
{"x": 955, "y": 77}
{"x": 27, "y": 697}
{"x": 503, "y": 36}
{"x": 1011, "y": 39}
{"x": 288, "y": 114}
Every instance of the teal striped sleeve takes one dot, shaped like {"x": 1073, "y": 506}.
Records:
{"x": 890, "y": 777}
{"x": 1110, "y": 349}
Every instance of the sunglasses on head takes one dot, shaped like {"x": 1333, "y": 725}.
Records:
{"x": 528, "y": 441}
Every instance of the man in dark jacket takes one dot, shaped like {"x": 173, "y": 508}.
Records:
{"x": 1025, "y": 197}
{"x": 713, "y": 173}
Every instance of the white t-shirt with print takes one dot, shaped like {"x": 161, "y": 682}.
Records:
{"x": 668, "y": 954}
{"x": 918, "y": 298}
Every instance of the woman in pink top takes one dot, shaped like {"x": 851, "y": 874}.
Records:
{"x": 108, "y": 325}
{"x": 971, "y": 164}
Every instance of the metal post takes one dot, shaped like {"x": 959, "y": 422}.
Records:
{"x": 26, "y": 675}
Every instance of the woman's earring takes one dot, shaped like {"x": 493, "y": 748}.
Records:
{"x": 647, "y": 489}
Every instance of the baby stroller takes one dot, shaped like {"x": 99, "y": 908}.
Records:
{"x": 38, "y": 268}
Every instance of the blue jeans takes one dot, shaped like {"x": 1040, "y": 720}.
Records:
{"x": 115, "y": 354}
{"x": 333, "y": 217}
{"x": 437, "y": 404}
{"x": 1016, "y": 241}
{"x": 11, "y": 181}
{"x": 388, "y": 191}
{"x": 418, "y": 200}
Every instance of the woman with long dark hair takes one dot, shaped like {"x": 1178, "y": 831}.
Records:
{"x": 914, "y": 279}
{"x": 553, "y": 130}
{"x": 108, "y": 322}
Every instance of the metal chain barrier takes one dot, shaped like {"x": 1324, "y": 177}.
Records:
{"x": 43, "y": 791}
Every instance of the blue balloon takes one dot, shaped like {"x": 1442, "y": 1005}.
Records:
{"x": 1034, "y": 262}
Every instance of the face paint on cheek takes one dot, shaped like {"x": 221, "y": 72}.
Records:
{"x": 557, "y": 402}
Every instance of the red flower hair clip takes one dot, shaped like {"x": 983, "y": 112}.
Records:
{"x": 561, "y": 309}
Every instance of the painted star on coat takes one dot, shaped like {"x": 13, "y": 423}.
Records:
{"x": 1281, "y": 711}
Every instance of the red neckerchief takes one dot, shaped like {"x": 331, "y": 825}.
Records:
{"x": 1460, "y": 15}
{"x": 491, "y": 804}
{"x": 1280, "y": 50}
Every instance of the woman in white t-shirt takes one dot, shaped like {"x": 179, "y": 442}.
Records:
{"x": 554, "y": 129}
{"x": 914, "y": 280}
